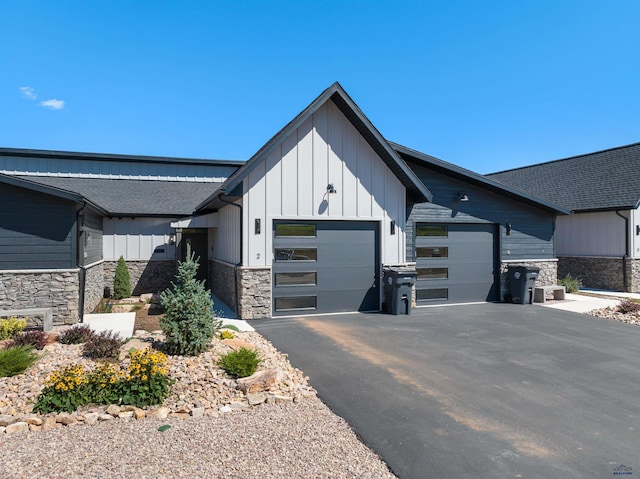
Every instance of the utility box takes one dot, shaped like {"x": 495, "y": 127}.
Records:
{"x": 522, "y": 283}
{"x": 398, "y": 288}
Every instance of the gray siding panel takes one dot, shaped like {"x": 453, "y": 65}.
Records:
{"x": 37, "y": 231}
{"x": 532, "y": 229}
{"x": 92, "y": 237}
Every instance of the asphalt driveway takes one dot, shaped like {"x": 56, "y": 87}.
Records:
{"x": 478, "y": 391}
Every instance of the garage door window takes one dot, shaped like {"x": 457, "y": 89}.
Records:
{"x": 302, "y": 230}
{"x": 432, "y": 252}
{"x": 296, "y": 303}
{"x": 423, "y": 230}
{"x": 296, "y": 254}
{"x": 438, "y": 294}
{"x": 296, "y": 279}
{"x": 433, "y": 273}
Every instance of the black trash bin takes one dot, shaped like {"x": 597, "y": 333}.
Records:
{"x": 522, "y": 281}
{"x": 398, "y": 287}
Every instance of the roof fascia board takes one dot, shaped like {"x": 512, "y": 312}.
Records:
{"x": 478, "y": 179}
{"x": 335, "y": 89}
{"x": 70, "y": 155}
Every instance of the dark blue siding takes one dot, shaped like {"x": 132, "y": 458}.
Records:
{"x": 37, "y": 231}
{"x": 91, "y": 237}
{"x": 532, "y": 228}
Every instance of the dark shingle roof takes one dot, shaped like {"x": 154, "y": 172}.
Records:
{"x": 135, "y": 197}
{"x": 604, "y": 180}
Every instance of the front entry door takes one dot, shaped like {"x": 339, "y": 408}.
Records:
{"x": 197, "y": 239}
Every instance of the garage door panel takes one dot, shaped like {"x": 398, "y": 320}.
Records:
{"x": 344, "y": 265}
{"x": 457, "y": 266}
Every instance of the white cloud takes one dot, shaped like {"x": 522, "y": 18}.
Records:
{"x": 52, "y": 104}
{"x": 28, "y": 92}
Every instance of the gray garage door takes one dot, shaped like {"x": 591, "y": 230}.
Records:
{"x": 456, "y": 263}
{"x": 325, "y": 267}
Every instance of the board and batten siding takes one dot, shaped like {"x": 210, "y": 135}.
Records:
{"x": 138, "y": 239}
{"x": 532, "y": 229}
{"x": 114, "y": 169}
{"x": 224, "y": 240}
{"x": 292, "y": 184}
{"x": 635, "y": 233}
{"x": 600, "y": 234}
{"x": 91, "y": 237}
{"x": 37, "y": 231}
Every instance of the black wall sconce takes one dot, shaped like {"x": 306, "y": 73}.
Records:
{"x": 257, "y": 226}
{"x": 508, "y": 227}
{"x": 330, "y": 188}
{"x": 463, "y": 197}
{"x": 393, "y": 227}
{"x": 637, "y": 230}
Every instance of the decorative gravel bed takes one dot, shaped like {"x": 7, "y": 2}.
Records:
{"x": 217, "y": 430}
{"x": 613, "y": 313}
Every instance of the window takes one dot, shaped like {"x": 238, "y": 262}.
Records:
{"x": 432, "y": 252}
{"x": 295, "y": 303}
{"x": 296, "y": 254}
{"x": 283, "y": 230}
{"x": 424, "y": 230}
{"x": 432, "y": 294}
{"x": 433, "y": 273}
{"x": 296, "y": 279}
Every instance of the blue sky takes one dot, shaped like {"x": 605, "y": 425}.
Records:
{"x": 486, "y": 85}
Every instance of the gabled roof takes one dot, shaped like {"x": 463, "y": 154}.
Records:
{"x": 335, "y": 93}
{"x": 600, "y": 181}
{"x": 131, "y": 197}
{"x": 416, "y": 157}
{"x": 51, "y": 190}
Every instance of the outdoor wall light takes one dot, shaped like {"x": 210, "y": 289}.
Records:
{"x": 508, "y": 227}
{"x": 172, "y": 239}
{"x": 463, "y": 197}
{"x": 257, "y": 226}
{"x": 330, "y": 188}
{"x": 393, "y": 227}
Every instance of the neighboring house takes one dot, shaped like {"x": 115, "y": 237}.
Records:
{"x": 306, "y": 225}
{"x": 68, "y": 217}
{"x": 600, "y": 242}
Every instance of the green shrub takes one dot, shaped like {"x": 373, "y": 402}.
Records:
{"x": 571, "y": 284}
{"x": 144, "y": 383}
{"x": 16, "y": 360}
{"x": 104, "y": 345}
{"x": 35, "y": 338}
{"x": 226, "y": 335}
{"x": 77, "y": 334}
{"x": 11, "y": 327}
{"x": 232, "y": 327}
{"x": 627, "y": 307}
{"x": 240, "y": 363}
{"x": 188, "y": 323}
{"x": 121, "y": 280}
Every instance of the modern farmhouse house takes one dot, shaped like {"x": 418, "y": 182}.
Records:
{"x": 306, "y": 225}
{"x": 600, "y": 242}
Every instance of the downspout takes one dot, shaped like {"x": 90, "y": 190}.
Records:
{"x": 626, "y": 250}
{"x": 235, "y": 273}
{"x": 82, "y": 271}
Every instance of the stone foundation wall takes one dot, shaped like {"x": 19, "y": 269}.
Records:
{"x": 146, "y": 276}
{"x": 599, "y": 273}
{"x": 548, "y": 275}
{"x": 254, "y": 293}
{"x": 93, "y": 286}
{"x": 633, "y": 275}
{"x": 42, "y": 289}
{"x": 222, "y": 282}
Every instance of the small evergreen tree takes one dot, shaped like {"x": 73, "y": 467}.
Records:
{"x": 121, "y": 280}
{"x": 188, "y": 323}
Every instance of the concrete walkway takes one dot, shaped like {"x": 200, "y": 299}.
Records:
{"x": 583, "y": 303}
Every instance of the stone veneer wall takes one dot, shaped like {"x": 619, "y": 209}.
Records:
{"x": 222, "y": 282}
{"x": 93, "y": 286}
{"x": 254, "y": 292}
{"x": 146, "y": 276}
{"x": 57, "y": 289}
{"x": 548, "y": 273}
{"x": 600, "y": 273}
{"x": 633, "y": 275}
